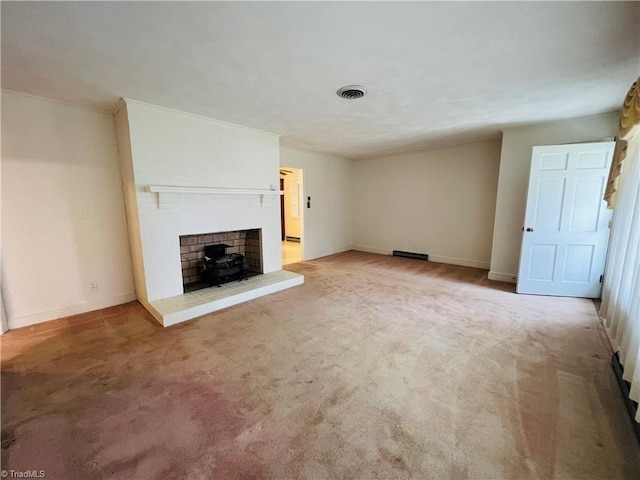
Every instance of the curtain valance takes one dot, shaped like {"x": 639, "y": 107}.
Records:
{"x": 629, "y": 119}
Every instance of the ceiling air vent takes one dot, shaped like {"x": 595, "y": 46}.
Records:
{"x": 351, "y": 92}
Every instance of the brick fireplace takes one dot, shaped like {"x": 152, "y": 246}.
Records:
{"x": 185, "y": 174}
{"x": 246, "y": 242}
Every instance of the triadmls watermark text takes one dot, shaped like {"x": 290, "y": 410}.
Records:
{"x": 23, "y": 474}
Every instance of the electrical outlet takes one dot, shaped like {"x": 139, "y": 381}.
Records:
{"x": 93, "y": 286}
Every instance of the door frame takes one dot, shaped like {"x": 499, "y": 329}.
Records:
{"x": 283, "y": 231}
{"x": 303, "y": 206}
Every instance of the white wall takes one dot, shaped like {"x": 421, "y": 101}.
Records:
{"x": 515, "y": 162}
{"x": 328, "y": 180}
{"x": 171, "y": 148}
{"x": 436, "y": 202}
{"x": 63, "y": 218}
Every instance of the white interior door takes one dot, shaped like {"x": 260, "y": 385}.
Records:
{"x": 566, "y": 225}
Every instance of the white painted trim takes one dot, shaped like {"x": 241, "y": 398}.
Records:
{"x": 378, "y": 251}
{"x": 325, "y": 253}
{"x": 167, "y": 195}
{"x": 503, "y": 277}
{"x": 26, "y": 320}
{"x": 307, "y": 150}
{"x": 202, "y": 117}
{"x": 583, "y": 118}
{"x": 432, "y": 258}
{"x": 91, "y": 108}
{"x": 211, "y": 190}
{"x": 463, "y": 262}
{"x": 490, "y": 137}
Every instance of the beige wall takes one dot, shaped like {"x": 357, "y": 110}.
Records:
{"x": 515, "y": 161}
{"x": 437, "y": 202}
{"x": 328, "y": 180}
{"x": 4, "y": 325}
{"x": 63, "y": 219}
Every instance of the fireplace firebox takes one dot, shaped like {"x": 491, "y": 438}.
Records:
{"x": 211, "y": 259}
{"x": 220, "y": 267}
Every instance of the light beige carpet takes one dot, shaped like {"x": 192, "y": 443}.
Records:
{"x": 377, "y": 367}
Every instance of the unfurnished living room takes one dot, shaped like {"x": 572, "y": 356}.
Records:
{"x": 320, "y": 240}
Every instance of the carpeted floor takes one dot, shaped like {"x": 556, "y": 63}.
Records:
{"x": 377, "y": 367}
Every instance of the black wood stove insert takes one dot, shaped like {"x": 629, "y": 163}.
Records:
{"x": 219, "y": 267}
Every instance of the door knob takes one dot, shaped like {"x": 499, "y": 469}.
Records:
{"x": 529, "y": 229}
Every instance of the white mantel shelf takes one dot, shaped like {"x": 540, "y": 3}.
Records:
{"x": 212, "y": 190}
{"x": 170, "y": 190}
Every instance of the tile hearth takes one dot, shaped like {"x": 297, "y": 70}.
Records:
{"x": 173, "y": 310}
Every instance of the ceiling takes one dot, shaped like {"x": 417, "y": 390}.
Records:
{"x": 437, "y": 73}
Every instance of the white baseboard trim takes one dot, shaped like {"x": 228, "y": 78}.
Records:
{"x": 26, "y": 320}
{"x": 379, "y": 251}
{"x": 459, "y": 261}
{"x": 432, "y": 258}
{"x": 503, "y": 277}
{"x": 324, "y": 253}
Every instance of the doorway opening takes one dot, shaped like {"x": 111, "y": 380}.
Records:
{"x": 292, "y": 215}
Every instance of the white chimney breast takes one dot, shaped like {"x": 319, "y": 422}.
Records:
{"x": 175, "y": 149}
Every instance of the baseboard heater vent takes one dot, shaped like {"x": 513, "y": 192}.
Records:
{"x": 624, "y": 387}
{"x": 292, "y": 239}
{"x": 417, "y": 256}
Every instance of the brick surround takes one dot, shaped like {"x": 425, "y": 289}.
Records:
{"x": 246, "y": 242}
